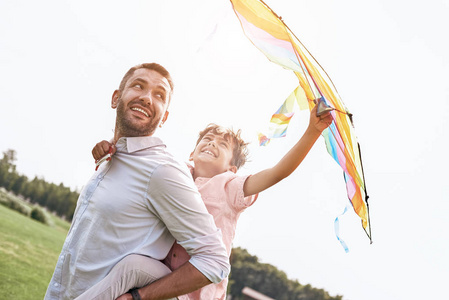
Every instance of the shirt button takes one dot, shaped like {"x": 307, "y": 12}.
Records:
{"x": 174, "y": 254}
{"x": 56, "y": 284}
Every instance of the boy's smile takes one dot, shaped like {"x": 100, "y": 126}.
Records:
{"x": 208, "y": 152}
{"x": 212, "y": 155}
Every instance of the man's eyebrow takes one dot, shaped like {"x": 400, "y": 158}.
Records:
{"x": 162, "y": 85}
{"x": 138, "y": 79}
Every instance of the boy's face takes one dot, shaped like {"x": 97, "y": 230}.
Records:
{"x": 214, "y": 153}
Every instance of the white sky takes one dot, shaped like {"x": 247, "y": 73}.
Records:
{"x": 61, "y": 60}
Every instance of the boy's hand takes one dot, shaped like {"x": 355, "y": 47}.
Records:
{"x": 103, "y": 152}
{"x": 101, "y": 149}
{"x": 319, "y": 123}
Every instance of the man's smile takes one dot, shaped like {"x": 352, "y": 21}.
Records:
{"x": 140, "y": 110}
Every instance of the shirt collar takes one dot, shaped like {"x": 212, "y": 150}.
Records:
{"x": 133, "y": 144}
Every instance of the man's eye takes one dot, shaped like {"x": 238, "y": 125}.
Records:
{"x": 160, "y": 96}
{"x": 138, "y": 85}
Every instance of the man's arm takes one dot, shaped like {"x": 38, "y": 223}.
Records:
{"x": 269, "y": 177}
{"x": 182, "y": 281}
{"x": 178, "y": 204}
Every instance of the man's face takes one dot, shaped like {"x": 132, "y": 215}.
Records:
{"x": 142, "y": 105}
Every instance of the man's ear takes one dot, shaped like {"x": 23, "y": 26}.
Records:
{"x": 233, "y": 169}
{"x": 115, "y": 98}
{"x": 191, "y": 157}
{"x": 164, "y": 118}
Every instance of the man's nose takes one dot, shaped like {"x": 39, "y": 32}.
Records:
{"x": 146, "y": 98}
{"x": 211, "y": 143}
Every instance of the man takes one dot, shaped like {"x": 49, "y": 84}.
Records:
{"x": 139, "y": 203}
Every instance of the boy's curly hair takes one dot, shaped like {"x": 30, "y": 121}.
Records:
{"x": 240, "y": 151}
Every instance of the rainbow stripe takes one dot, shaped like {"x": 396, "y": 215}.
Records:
{"x": 272, "y": 36}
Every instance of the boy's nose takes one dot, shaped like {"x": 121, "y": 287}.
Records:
{"x": 211, "y": 143}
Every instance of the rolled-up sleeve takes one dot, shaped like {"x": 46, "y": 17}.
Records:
{"x": 174, "y": 198}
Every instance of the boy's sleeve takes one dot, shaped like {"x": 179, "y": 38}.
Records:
{"x": 234, "y": 189}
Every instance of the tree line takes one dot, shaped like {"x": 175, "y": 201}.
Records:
{"x": 246, "y": 270}
{"x": 58, "y": 199}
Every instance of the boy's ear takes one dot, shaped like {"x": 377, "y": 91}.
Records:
{"x": 115, "y": 98}
{"x": 233, "y": 169}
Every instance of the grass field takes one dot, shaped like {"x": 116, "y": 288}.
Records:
{"x": 28, "y": 254}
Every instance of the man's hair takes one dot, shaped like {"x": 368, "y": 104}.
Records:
{"x": 151, "y": 66}
{"x": 240, "y": 151}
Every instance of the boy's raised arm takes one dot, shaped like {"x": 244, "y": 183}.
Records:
{"x": 269, "y": 177}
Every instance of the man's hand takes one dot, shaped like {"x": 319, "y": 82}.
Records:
{"x": 181, "y": 281}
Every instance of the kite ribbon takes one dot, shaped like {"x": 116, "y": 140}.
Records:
{"x": 281, "y": 118}
{"x": 337, "y": 230}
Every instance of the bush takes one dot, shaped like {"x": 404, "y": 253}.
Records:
{"x": 14, "y": 203}
{"x": 38, "y": 214}
{"x": 21, "y": 208}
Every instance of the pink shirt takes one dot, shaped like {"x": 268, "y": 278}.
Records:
{"x": 225, "y": 201}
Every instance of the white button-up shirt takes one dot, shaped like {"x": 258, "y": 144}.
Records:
{"x": 138, "y": 203}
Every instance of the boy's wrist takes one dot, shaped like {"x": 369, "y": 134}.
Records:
{"x": 312, "y": 130}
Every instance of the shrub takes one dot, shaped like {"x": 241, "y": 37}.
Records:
{"x": 38, "y": 214}
{"x": 14, "y": 203}
{"x": 19, "y": 207}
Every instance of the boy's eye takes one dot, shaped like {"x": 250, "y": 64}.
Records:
{"x": 138, "y": 85}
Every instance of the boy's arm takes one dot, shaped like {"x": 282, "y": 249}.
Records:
{"x": 269, "y": 177}
{"x": 184, "y": 280}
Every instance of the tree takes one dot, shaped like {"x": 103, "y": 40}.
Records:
{"x": 18, "y": 184}
{"x": 8, "y": 168}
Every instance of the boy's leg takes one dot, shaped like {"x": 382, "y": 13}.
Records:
{"x": 134, "y": 271}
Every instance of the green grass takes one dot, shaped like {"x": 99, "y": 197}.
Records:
{"x": 28, "y": 254}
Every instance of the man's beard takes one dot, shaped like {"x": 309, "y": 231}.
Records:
{"x": 126, "y": 127}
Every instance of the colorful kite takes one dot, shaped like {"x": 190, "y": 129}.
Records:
{"x": 270, "y": 34}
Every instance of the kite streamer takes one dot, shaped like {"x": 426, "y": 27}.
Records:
{"x": 268, "y": 32}
{"x": 281, "y": 118}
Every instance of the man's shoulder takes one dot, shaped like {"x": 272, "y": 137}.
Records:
{"x": 171, "y": 166}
